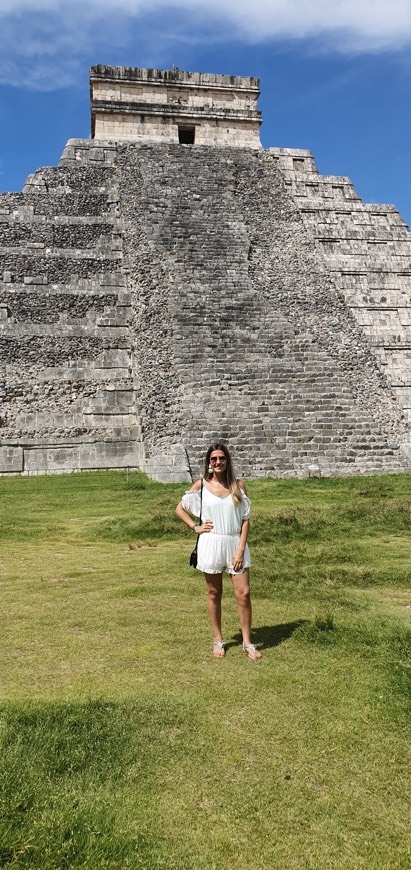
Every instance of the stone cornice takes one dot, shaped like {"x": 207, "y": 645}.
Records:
{"x": 174, "y": 110}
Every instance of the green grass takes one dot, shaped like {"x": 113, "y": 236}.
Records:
{"x": 126, "y": 745}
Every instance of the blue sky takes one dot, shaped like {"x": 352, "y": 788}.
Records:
{"x": 335, "y": 76}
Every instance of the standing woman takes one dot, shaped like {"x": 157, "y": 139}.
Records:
{"x": 222, "y": 545}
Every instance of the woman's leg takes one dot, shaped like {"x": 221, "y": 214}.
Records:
{"x": 214, "y": 595}
{"x": 241, "y": 586}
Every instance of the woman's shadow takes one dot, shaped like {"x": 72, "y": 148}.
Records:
{"x": 267, "y": 636}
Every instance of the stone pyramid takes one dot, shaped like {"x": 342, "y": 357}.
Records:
{"x": 157, "y": 294}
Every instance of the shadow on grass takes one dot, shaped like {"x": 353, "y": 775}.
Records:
{"x": 267, "y": 636}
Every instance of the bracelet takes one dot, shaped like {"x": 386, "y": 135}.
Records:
{"x": 194, "y": 528}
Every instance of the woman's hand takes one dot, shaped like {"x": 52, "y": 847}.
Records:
{"x": 207, "y": 526}
{"x": 238, "y": 560}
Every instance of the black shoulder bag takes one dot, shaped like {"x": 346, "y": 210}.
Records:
{"x": 193, "y": 556}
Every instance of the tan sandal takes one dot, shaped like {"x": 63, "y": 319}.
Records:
{"x": 218, "y": 649}
{"x": 251, "y": 651}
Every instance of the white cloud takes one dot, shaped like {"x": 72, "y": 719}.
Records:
{"x": 44, "y": 42}
{"x": 372, "y": 22}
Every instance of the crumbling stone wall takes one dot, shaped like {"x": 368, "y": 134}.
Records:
{"x": 157, "y": 296}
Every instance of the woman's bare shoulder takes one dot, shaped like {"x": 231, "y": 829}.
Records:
{"x": 241, "y": 484}
{"x": 196, "y": 486}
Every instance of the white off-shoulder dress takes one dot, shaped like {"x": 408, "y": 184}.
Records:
{"x": 216, "y": 548}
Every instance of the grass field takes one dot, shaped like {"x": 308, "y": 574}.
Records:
{"x": 126, "y": 745}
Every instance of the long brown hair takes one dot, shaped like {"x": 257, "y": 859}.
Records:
{"x": 230, "y": 478}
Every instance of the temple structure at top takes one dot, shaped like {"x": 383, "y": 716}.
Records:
{"x": 172, "y": 106}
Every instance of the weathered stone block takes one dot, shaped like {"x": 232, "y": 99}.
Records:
{"x": 110, "y": 454}
{"x": 11, "y": 460}
{"x": 50, "y": 460}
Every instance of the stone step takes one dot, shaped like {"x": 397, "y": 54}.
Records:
{"x": 109, "y": 281}
{"x": 83, "y": 327}
{"x": 344, "y": 227}
{"x": 343, "y": 244}
{"x": 65, "y": 350}
{"x": 357, "y": 212}
{"x": 26, "y": 215}
{"x": 291, "y": 160}
{"x": 102, "y": 251}
{"x": 320, "y": 189}
{"x": 83, "y": 152}
{"x": 73, "y": 204}
{"x": 41, "y": 234}
{"x": 110, "y": 366}
{"x": 24, "y": 312}
{"x": 369, "y": 262}
{"x": 49, "y": 178}
{"x": 30, "y": 266}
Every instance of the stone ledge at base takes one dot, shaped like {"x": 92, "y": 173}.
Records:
{"x": 169, "y": 467}
{"x": 65, "y": 458}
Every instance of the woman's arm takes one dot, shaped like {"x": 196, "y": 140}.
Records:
{"x": 186, "y": 518}
{"x": 238, "y": 558}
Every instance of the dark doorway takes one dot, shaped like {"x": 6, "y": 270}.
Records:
{"x": 186, "y": 135}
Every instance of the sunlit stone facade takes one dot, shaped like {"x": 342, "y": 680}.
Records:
{"x": 171, "y": 106}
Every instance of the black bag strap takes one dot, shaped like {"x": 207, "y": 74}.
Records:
{"x": 201, "y": 508}
{"x": 201, "y": 498}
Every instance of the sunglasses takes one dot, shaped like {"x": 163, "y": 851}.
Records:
{"x": 215, "y": 459}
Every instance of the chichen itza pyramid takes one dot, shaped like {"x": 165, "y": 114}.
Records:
{"x": 171, "y": 281}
